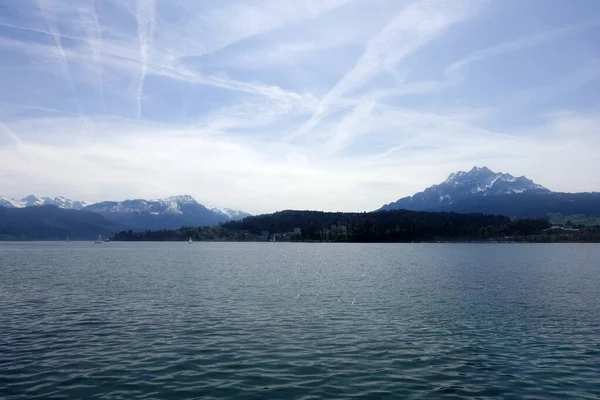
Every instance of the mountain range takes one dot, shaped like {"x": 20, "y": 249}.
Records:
{"x": 32, "y": 200}
{"x": 479, "y": 190}
{"x": 482, "y": 190}
{"x": 166, "y": 213}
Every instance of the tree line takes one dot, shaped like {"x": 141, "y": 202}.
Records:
{"x": 380, "y": 226}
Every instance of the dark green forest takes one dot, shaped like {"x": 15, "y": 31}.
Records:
{"x": 380, "y": 226}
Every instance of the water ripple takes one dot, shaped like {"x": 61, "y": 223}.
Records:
{"x": 166, "y": 321}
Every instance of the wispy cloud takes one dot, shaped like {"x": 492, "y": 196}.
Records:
{"x": 146, "y": 20}
{"x": 418, "y": 24}
{"x": 454, "y": 71}
{"x": 264, "y": 104}
{"x": 49, "y": 18}
{"x": 19, "y": 144}
{"x": 92, "y": 26}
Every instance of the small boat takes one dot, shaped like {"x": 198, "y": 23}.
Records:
{"x": 106, "y": 240}
{"x": 99, "y": 240}
{"x": 190, "y": 241}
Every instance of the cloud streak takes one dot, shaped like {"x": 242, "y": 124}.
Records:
{"x": 49, "y": 17}
{"x": 92, "y": 26}
{"x": 264, "y": 105}
{"x": 146, "y": 20}
{"x": 454, "y": 70}
{"x": 418, "y": 24}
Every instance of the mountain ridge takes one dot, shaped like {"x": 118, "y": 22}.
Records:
{"x": 481, "y": 190}
{"x": 233, "y": 215}
{"x": 162, "y": 213}
{"x": 479, "y": 181}
{"x": 33, "y": 200}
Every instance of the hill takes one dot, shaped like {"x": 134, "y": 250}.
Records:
{"x": 50, "y": 222}
{"x": 381, "y": 226}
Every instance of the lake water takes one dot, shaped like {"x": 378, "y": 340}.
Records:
{"x": 283, "y": 320}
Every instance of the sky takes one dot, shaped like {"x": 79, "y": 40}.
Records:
{"x": 265, "y": 105}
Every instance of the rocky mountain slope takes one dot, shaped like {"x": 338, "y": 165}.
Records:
{"x": 481, "y": 190}
{"x": 166, "y": 213}
{"x": 478, "y": 182}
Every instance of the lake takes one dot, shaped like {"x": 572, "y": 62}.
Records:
{"x": 298, "y": 320}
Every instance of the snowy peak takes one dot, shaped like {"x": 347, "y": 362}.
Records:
{"x": 180, "y": 205}
{"x": 232, "y": 215}
{"x": 164, "y": 213}
{"x": 181, "y": 199}
{"x": 33, "y": 200}
{"x": 174, "y": 205}
{"x": 10, "y": 203}
{"x": 482, "y": 181}
{"x": 479, "y": 181}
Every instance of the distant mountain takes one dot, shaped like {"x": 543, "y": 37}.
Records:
{"x": 9, "y": 203}
{"x": 168, "y": 213}
{"x": 49, "y": 222}
{"x": 231, "y": 215}
{"x": 33, "y": 200}
{"x": 481, "y": 190}
{"x": 478, "y": 182}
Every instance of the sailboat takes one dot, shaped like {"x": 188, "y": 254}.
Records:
{"x": 67, "y": 239}
{"x": 190, "y": 241}
{"x": 99, "y": 240}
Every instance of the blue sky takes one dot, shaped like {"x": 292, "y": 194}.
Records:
{"x": 266, "y": 105}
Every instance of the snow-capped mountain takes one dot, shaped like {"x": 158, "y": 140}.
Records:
{"x": 232, "y": 215}
{"x": 174, "y": 205}
{"x": 166, "y": 213}
{"x": 10, "y": 203}
{"x": 33, "y": 200}
{"x": 478, "y": 182}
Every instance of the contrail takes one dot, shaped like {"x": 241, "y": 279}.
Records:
{"x": 397, "y": 40}
{"x": 94, "y": 39}
{"x": 37, "y": 108}
{"x": 48, "y": 16}
{"x": 26, "y": 28}
{"x": 145, "y": 18}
